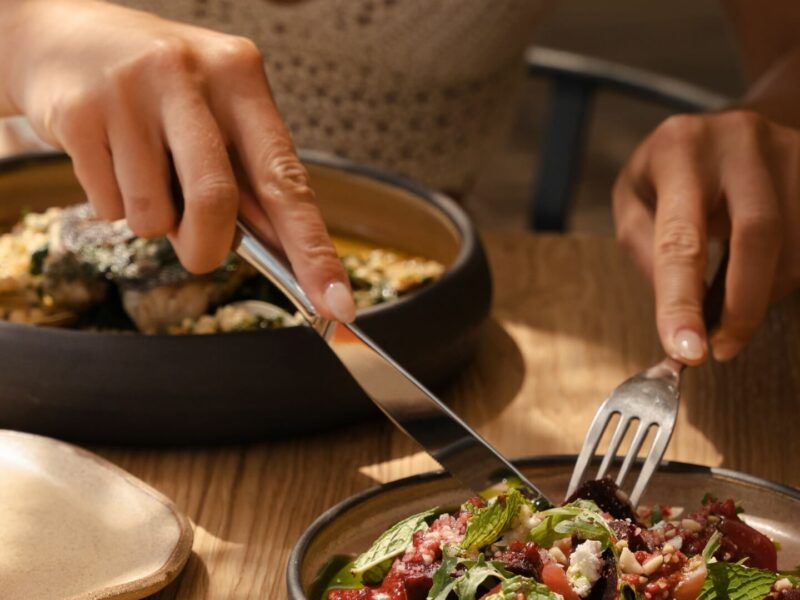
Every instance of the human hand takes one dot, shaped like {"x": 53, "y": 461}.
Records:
{"x": 125, "y": 92}
{"x": 731, "y": 175}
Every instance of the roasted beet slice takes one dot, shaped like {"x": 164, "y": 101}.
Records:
{"x": 790, "y": 594}
{"x": 523, "y": 559}
{"x": 626, "y": 530}
{"x": 750, "y": 544}
{"x": 606, "y": 586}
{"x": 606, "y": 494}
{"x": 418, "y": 579}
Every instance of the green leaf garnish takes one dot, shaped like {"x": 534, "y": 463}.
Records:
{"x": 391, "y": 543}
{"x": 628, "y": 592}
{"x": 510, "y": 589}
{"x": 465, "y": 587}
{"x": 581, "y": 518}
{"x": 335, "y": 575}
{"x": 488, "y": 523}
{"x": 708, "y": 497}
{"x": 656, "y": 516}
{"x": 37, "y": 260}
{"x": 730, "y": 581}
{"x": 712, "y": 545}
{"x": 443, "y": 576}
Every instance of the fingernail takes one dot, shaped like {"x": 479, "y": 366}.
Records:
{"x": 339, "y": 301}
{"x": 724, "y": 348}
{"x": 689, "y": 345}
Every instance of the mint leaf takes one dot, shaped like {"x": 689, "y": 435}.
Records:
{"x": 730, "y": 581}
{"x": 530, "y": 589}
{"x": 657, "y": 516}
{"x": 392, "y": 542}
{"x": 628, "y": 592}
{"x": 335, "y": 575}
{"x": 443, "y": 576}
{"x": 375, "y": 574}
{"x": 466, "y": 586}
{"x": 581, "y": 518}
{"x": 488, "y": 523}
{"x": 712, "y": 545}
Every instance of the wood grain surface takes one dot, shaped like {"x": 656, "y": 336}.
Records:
{"x": 571, "y": 320}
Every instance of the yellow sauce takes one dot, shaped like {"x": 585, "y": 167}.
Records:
{"x": 346, "y": 244}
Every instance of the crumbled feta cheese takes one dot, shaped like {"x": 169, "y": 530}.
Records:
{"x": 782, "y": 584}
{"x": 585, "y": 565}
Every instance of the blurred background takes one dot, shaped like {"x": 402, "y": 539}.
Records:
{"x": 686, "y": 39}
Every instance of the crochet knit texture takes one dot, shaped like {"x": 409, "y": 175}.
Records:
{"x": 408, "y": 85}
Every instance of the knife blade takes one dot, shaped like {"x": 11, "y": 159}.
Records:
{"x": 403, "y": 399}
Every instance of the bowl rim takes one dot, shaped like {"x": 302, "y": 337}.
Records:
{"x": 448, "y": 207}
{"x": 295, "y": 588}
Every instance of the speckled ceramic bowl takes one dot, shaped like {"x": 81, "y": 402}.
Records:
{"x": 351, "y": 526}
{"x": 136, "y": 389}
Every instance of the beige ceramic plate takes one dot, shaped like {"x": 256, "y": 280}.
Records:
{"x": 72, "y": 525}
{"x": 350, "y": 527}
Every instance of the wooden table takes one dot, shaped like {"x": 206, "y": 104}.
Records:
{"x": 571, "y": 320}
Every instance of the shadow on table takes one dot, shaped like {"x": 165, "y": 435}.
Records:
{"x": 491, "y": 380}
{"x": 192, "y": 582}
{"x": 749, "y": 408}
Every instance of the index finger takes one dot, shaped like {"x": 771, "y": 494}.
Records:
{"x": 280, "y": 184}
{"x": 680, "y": 254}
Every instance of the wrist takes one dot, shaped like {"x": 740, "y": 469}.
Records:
{"x": 776, "y": 94}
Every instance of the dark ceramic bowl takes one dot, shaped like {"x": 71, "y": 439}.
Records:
{"x": 136, "y": 389}
{"x": 351, "y": 526}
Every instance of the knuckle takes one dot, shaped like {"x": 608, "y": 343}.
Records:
{"x": 743, "y": 120}
{"x": 681, "y": 241}
{"x": 169, "y": 52}
{"x": 214, "y": 197}
{"x": 751, "y": 129}
{"x": 762, "y": 225}
{"x": 319, "y": 250}
{"x": 68, "y": 118}
{"x": 147, "y": 217}
{"x": 237, "y": 54}
{"x": 163, "y": 55}
{"x": 681, "y": 130}
{"x": 287, "y": 180}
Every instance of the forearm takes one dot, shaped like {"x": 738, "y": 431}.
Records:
{"x": 776, "y": 94}
{"x": 11, "y": 49}
{"x": 768, "y": 39}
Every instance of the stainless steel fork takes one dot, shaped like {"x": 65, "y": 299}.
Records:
{"x": 651, "y": 398}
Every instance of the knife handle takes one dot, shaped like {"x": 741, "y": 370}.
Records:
{"x": 253, "y": 251}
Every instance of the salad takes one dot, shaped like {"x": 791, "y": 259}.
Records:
{"x": 497, "y": 546}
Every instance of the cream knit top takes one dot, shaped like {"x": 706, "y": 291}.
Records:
{"x": 408, "y": 85}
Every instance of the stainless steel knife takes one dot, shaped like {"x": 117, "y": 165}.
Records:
{"x": 411, "y": 407}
